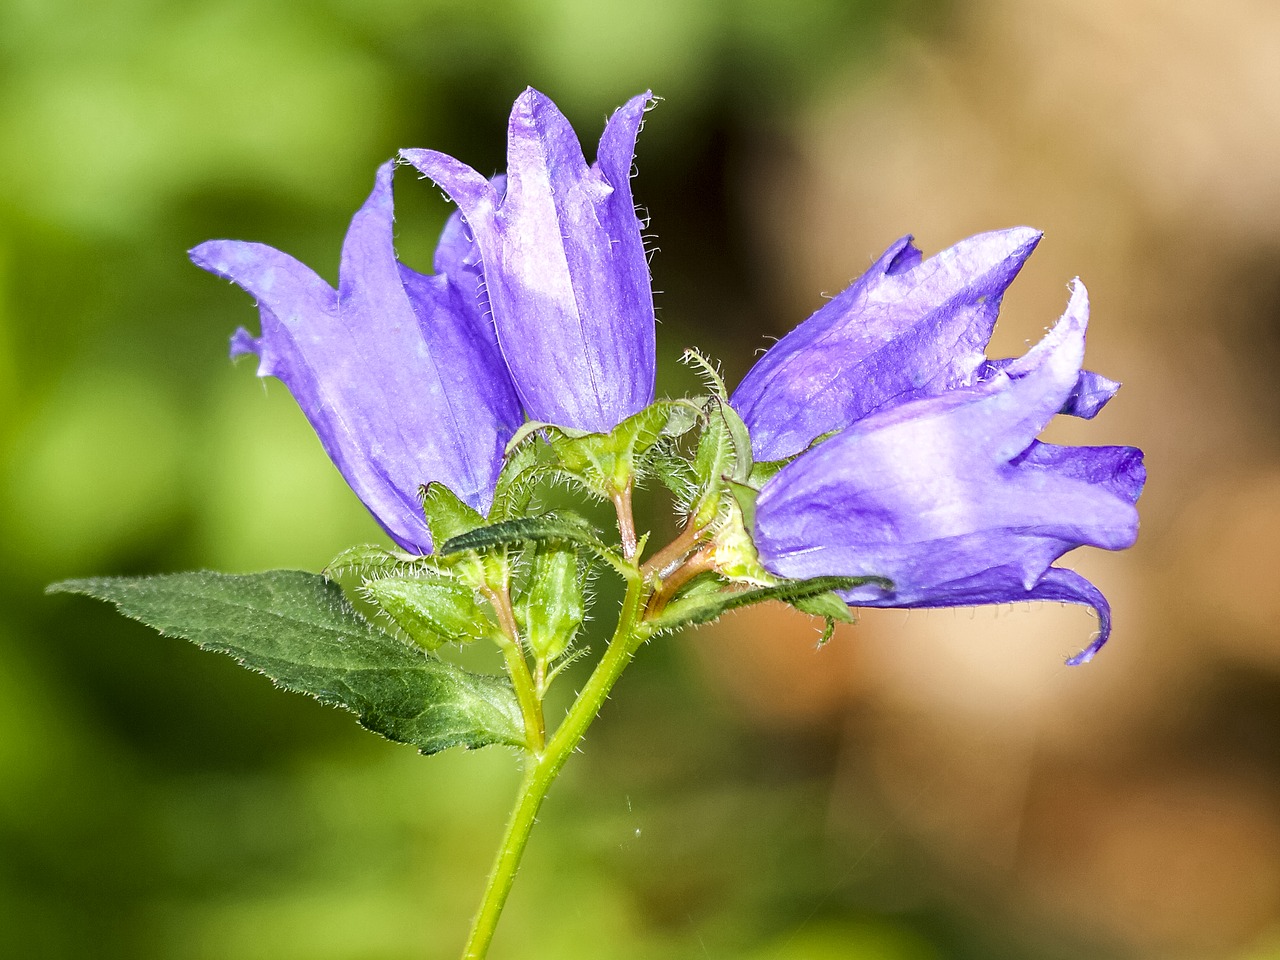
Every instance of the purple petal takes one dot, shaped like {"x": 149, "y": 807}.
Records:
{"x": 1069, "y": 587}
{"x": 908, "y": 328}
{"x": 456, "y": 253}
{"x": 1091, "y": 393}
{"x": 952, "y": 499}
{"x": 1119, "y": 469}
{"x": 468, "y": 189}
{"x": 399, "y": 381}
{"x": 565, "y": 269}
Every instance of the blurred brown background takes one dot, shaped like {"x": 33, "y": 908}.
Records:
{"x": 932, "y": 784}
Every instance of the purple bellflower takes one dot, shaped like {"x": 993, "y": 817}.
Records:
{"x": 935, "y": 479}
{"x": 907, "y": 328}
{"x": 398, "y": 372}
{"x": 564, "y": 264}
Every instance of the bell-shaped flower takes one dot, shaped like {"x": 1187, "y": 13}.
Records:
{"x": 907, "y": 328}
{"x": 953, "y": 499}
{"x": 398, "y": 372}
{"x": 564, "y": 264}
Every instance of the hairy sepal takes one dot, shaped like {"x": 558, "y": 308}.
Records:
{"x": 431, "y": 610}
{"x": 704, "y": 605}
{"x": 552, "y": 605}
{"x": 605, "y": 464}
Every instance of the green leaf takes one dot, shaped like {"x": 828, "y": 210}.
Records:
{"x": 298, "y": 629}
{"x": 704, "y": 606}
{"x": 432, "y": 610}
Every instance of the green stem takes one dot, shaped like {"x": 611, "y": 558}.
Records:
{"x": 528, "y": 694}
{"x": 544, "y": 766}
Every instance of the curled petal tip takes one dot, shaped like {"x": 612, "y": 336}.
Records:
{"x": 901, "y": 256}
{"x": 212, "y": 256}
{"x": 1084, "y": 656}
{"x": 242, "y": 342}
{"x": 464, "y": 186}
{"x": 1023, "y": 236}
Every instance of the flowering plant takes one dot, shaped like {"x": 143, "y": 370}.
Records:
{"x": 873, "y": 457}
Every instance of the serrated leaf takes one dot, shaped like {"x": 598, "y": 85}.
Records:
{"x": 298, "y": 629}
{"x": 703, "y": 607}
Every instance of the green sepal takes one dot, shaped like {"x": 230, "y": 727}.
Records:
{"x": 431, "y": 610}
{"x": 704, "y": 605}
{"x": 606, "y": 463}
{"x": 298, "y": 629}
{"x": 521, "y": 472}
{"x": 558, "y": 527}
{"x": 736, "y": 556}
{"x": 369, "y": 560}
{"x": 762, "y": 473}
{"x": 706, "y": 369}
{"x": 723, "y": 455}
{"x": 447, "y": 516}
{"x": 676, "y": 474}
{"x": 745, "y": 496}
{"x": 682, "y": 416}
{"x": 830, "y": 607}
{"x": 552, "y": 607}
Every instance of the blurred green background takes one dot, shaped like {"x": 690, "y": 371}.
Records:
{"x": 929, "y": 786}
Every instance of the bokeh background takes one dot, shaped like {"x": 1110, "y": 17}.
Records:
{"x": 929, "y": 786}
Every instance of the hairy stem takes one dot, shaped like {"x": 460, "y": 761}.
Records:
{"x": 665, "y": 559}
{"x": 700, "y": 562}
{"x": 626, "y": 520}
{"x": 543, "y": 767}
{"x": 528, "y": 693}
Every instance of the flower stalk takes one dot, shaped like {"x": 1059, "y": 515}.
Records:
{"x": 544, "y": 765}
{"x": 528, "y": 690}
